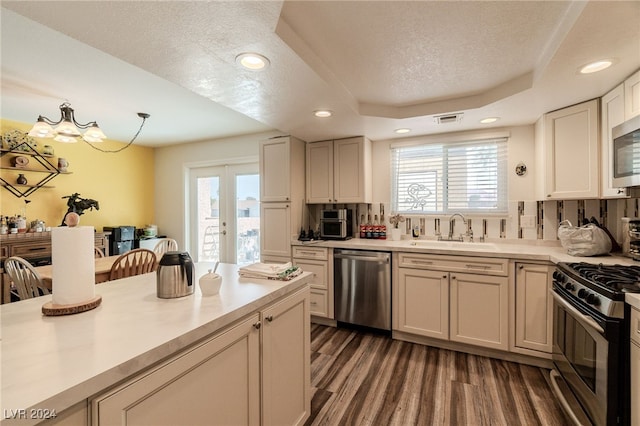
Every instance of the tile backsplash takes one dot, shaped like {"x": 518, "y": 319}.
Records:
{"x": 547, "y": 216}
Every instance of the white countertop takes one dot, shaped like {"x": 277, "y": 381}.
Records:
{"x": 55, "y": 362}
{"x": 512, "y": 249}
{"x": 633, "y": 300}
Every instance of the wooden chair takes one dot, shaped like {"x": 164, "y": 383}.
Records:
{"x": 26, "y": 281}
{"x": 97, "y": 252}
{"x": 134, "y": 262}
{"x": 165, "y": 245}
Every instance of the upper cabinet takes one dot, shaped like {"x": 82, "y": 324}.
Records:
{"x": 632, "y": 96}
{"x": 567, "y": 148}
{"x": 281, "y": 166}
{"x": 612, "y": 114}
{"x": 339, "y": 171}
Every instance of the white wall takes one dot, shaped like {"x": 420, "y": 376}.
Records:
{"x": 171, "y": 165}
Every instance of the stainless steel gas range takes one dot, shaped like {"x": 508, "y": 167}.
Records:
{"x": 591, "y": 341}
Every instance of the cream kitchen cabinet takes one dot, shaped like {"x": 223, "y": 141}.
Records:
{"x": 611, "y": 115}
{"x": 567, "y": 152}
{"x": 635, "y": 366}
{"x": 532, "y": 315}
{"x": 276, "y": 230}
{"x": 632, "y": 96}
{"x": 339, "y": 171}
{"x": 282, "y": 172}
{"x": 256, "y": 372}
{"x": 319, "y": 261}
{"x": 456, "y": 298}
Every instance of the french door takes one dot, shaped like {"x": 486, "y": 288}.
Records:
{"x": 225, "y": 213}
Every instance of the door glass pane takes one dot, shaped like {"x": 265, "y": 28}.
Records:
{"x": 248, "y": 218}
{"x": 208, "y": 190}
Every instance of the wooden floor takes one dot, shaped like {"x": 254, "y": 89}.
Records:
{"x": 360, "y": 378}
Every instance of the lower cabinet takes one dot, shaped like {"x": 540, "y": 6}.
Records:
{"x": 319, "y": 261}
{"x": 533, "y": 312}
{"x": 256, "y": 372}
{"x": 433, "y": 298}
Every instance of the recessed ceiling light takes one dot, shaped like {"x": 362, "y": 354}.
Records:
{"x": 252, "y": 61}
{"x": 489, "y": 120}
{"x": 595, "y": 66}
{"x": 401, "y": 131}
{"x": 322, "y": 113}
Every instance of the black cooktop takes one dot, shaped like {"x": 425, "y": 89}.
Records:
{"x": 617, "y": 278}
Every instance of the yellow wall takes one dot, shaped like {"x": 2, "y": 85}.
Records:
{"x": 122, "y": 183}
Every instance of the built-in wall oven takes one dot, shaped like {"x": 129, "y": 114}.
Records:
{"x": 590, "y": 341}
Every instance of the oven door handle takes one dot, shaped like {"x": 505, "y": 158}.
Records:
{"x": 555, "y": 376}
{"x": 588, "y": 320}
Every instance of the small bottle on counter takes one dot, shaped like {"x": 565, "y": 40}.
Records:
{"x": 383, "y": 228}
{"x": 4, "y": 228}
{"x": 369, "y": 226}
{"x": 376, "y": 228}
{"x": 363, "y": 227}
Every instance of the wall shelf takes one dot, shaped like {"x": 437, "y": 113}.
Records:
{"x": 45, "y": 167}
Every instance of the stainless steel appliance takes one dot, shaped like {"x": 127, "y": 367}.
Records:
{"x": 362, "y": 282}
{"x": 336, "y": 224}
{"x": 626, "y": 153}
{"x": 175, "y": 275}
{"x": 591, "y": 341}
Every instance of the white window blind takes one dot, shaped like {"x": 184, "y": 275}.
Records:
{"x": 437, "y": 178}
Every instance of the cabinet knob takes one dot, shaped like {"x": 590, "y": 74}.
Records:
{"x": 453, "y": 277}
{"x": 269, "y": 318}
{"x": 444, "y": 276}
{"x": 521, "y": 267}
{"x": 257, "y": 325}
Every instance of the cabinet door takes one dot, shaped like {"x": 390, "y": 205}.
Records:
{"x": 352, "y": 170}
{"x": 479, "y": 310}
{"x": 612, "y": 115}
{"x": 320, "y": 172}
{"x": 571, "y": 152}
{"x": 275, "y": 229}
{"x": 632, "y": 96}
{"x": 635, "y": 383}
{"x": 275, "y": 170}
{"x": 286, "y": 358}
{"x": 216, "y": 383}
{"x": 422, "y": 305}
{"x": 534, "y": 307}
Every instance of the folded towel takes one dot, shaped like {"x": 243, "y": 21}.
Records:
{"x": 283, "y": 272}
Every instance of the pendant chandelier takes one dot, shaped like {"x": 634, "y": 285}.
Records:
{"x": 66, "y": 129}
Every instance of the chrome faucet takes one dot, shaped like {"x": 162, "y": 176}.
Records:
{"x": 452, "y": 225}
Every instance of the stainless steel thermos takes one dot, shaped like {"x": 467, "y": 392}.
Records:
{"x": 175, "y": 275}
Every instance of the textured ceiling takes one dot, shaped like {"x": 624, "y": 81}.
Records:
{"x": 378, "y": 65}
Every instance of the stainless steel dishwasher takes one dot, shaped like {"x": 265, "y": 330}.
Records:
{"x": 362, "y": 286}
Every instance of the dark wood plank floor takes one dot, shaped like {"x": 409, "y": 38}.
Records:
{"x": 361, "y": 378}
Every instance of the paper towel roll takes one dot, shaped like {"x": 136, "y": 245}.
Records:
{"x": 73, "y": 264}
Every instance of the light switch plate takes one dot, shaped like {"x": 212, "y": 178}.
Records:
{"x": 527, "y": 221}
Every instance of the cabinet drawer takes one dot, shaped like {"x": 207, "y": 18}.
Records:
{"x": 321, "y": 253}
{"x": 4, "y": 252}
{"x": 635, "y": 325}
{"x": 31, "y": 250}
{"x": 319, "y": 303}
{"x": 318, "y": 268}
{"x": 476, "y": 265}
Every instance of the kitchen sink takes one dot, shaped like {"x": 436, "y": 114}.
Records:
{"x": 452, "y": 244}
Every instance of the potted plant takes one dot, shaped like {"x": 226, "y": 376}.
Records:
{"x": 396, "y": 232}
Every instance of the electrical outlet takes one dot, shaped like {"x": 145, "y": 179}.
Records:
{"x": 527, "y": 221}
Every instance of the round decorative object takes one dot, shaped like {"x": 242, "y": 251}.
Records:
{"x": 47, "y": 150}
{"x": 20, "y": 161}
{"x": 21, "y": 179}
{"x": 521, "y": 169}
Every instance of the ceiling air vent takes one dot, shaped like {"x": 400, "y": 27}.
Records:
{"x": 448, "y": 118}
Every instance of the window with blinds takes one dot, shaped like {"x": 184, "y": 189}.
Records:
{"x": 444, "y": 178}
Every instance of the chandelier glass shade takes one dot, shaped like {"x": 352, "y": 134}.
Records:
{"x": 67, "y": 129}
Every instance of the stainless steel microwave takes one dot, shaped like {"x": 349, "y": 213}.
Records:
{"x": 336, "y": 224}
{"x": 626, "y": 153}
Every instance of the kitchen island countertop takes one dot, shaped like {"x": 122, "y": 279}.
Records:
{"x": 51, "y": 363}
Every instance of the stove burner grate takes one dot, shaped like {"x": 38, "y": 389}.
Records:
{"x": 619, "y": 278}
